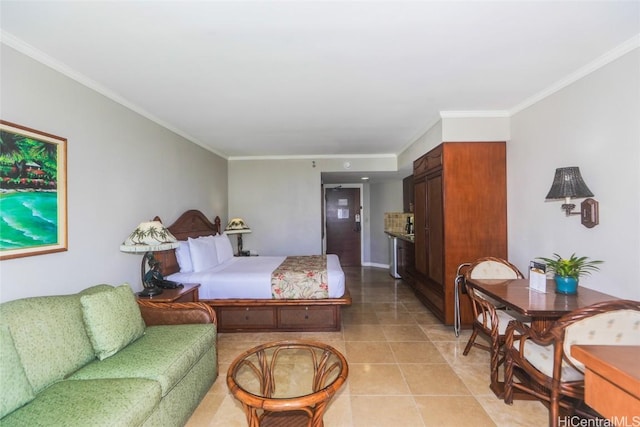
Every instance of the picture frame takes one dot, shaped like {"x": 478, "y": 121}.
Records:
{"x": 33, "y": 192}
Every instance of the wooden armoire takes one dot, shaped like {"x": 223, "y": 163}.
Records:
{"x": 460, "y": 214}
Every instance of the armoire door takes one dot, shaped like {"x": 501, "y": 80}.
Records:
{"x": 420, "y": 225}
{"x": 435, "y": 229}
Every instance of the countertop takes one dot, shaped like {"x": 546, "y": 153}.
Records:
{"x": 403, "y": 236}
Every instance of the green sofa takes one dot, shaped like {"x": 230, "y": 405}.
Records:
{"x": 99, "y": 358}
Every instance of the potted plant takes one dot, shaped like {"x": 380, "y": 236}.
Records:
{"x": 569, "y": 270}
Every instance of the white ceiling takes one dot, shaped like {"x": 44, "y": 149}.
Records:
{"x": 277, "y": 78}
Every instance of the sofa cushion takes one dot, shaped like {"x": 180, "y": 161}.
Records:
{"x": 49, "y": 336}
{"x": 112, "y": 319}
{"x": 95, "y": 289}
{"x": 16, "y": 388}
{"x": 165, "y": 353}
{"x": 109, "y": 402}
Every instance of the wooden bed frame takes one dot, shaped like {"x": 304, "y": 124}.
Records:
{"x": 252, "y": 315}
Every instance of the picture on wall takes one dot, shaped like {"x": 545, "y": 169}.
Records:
{"x": 33, "y": 192}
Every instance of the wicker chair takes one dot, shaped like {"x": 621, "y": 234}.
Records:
{"x": 489, "y": 319}
{"x": 550, "y": 373}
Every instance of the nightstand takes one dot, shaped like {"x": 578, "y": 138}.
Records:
{"x": 188, "y": 293}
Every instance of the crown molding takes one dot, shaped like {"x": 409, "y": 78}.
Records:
{"x": 30, "y": 51}
{"x": 316, "y": 157}
{"x": 474, "y": 114}
{"x": 612, "y": 55}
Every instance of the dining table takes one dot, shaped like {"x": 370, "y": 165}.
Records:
{"x": 542, "y": 307}
{"x": 538, "y": 307}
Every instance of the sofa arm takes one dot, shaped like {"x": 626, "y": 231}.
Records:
{"x": 177, "y": 313}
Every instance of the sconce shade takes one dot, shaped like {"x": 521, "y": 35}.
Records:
{"x": 568, "y": 183}
{"x": 149, "y": 237}
{"x": 237, "y": 226}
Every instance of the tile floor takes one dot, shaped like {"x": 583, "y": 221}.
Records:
{"x": 405, "y": 367}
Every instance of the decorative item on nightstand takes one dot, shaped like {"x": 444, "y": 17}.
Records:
{"x": 150, "y": 237}
{"x": 568, "y": 183}
{"x": 239, "y": 227}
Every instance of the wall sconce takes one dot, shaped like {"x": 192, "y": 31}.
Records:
{"x": 568, "y": 183}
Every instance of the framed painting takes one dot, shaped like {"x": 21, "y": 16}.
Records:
{"x": 33, "y": 192}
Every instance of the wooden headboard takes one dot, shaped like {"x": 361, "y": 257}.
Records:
{"x": 192, "y": 224}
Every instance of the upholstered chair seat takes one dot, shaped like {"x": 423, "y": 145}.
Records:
{"x": 491, "y": 319}
{"x": 550, "y": 372}
{"x": 541, "y": 358}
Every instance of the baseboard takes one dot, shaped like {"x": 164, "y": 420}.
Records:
{"x": 375, "y": 264}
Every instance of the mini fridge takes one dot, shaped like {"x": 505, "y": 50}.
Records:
{"x": 393, "y": 257}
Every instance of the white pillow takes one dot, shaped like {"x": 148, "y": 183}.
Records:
{"x": 224, "y": 248}
{"x": 184, "y": 257}
{"x": 203, "y": 253}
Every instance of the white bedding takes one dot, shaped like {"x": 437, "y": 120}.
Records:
{"x": 250, "y": 277}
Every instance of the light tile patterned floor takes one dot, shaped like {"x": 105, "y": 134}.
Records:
{"x": 405, "y": 367}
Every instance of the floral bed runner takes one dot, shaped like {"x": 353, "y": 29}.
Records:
{"x": 301, "y": 277}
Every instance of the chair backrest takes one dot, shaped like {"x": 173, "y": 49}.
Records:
{"x": 493, "y": 268}
{"x": 488, "y": 268}
{"x": 616, "y": 327}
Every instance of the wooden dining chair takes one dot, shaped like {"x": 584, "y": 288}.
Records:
{"x": 490, "y": 319}
{"x": 543, "y": 362}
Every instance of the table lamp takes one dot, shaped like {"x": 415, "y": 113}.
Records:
{"x": 239, "y": 227}
{"x": 149, "y": 237}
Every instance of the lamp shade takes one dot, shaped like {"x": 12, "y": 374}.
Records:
{"x": 237, "y": 226}
{"x": 568, "y": 182}
{"x": 149, "y": 237}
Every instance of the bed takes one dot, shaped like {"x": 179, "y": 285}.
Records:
{"x": 239, "y": 296}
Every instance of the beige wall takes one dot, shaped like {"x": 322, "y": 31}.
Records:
{"x": 469, "y": 129}
{"x": 594, "y": 124}
{"x": 281, "y": 201}
{"x": 122, "y": 169}
{"x": 385, "y": 197}
{"x": 431, "y": 138}
{"x": 119, "y": 160}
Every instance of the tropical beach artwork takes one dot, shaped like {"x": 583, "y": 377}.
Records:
{"x": 32, "y": 192}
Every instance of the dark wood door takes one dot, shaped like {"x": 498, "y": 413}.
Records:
{"x": 343, "y": 223}
{"x": 435, "y": 229}
{"x": 420, "y": 226}
{"x": 407, "y": 194}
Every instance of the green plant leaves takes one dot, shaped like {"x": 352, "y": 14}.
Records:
{"x": 571, "y": 267}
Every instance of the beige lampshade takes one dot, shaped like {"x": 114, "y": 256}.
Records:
{"x": 149, "y": 237}
{"x": 237, "y": 226}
